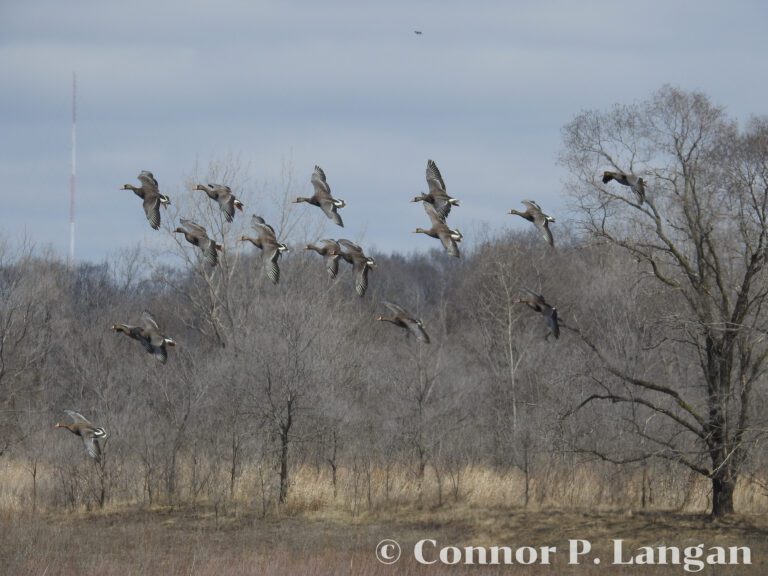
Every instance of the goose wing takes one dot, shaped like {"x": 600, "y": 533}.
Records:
{"x": 543, "y": 225}
{"x": 92, "y": 447}
{"x": 271, "y": 268}
{"x": 259, "y": 224}
{"x": 351, "y": 246}
{"x": 194, "y": 228}
{"x": 159, "y": 351}
{"x": 77, "y": 418}
{"x": 148, "y": 182}
{"x": 638, "y": 187}
{"x": 152, "y": 209}
{"x": 227, "y": 205}
{"x": 395, "y": 308}
{"x": 330, "y": 209}
{"x": 433, "y": 214}
{"x": 449, "y": 243}
{"x": 434, "y": 179}
{"x": 319, "y": 183}
{"x": 361, "y": 278}
{"x": 148, "y": 321}
{"x": 416, "y": 328}
{"x": 536, "y": 298}
{"x": 332, "y": 264}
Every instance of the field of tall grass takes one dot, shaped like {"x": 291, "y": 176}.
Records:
{"x": 317, "y": 533}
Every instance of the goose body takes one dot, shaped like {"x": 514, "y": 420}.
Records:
{"x": 149, "y": 192}
{"x": 224, "y": 197}
{"x": 331, "y": 253}
{"x": 323, "y": 197}
{"x": 267, "y": 242}
{"x": 149, "y": 335}
{"x": 635, "y": 183}
{"x": 437, "y": 196}
{"x": 405, "y": 320}
{"x": 533, "y": 213}
{"x": 361, "y": 264}
{"x": 440, "y": 230}
{"x": 90, "y": 434}
{"x": 537, "y": 303}
{"x": 197, "y": 236}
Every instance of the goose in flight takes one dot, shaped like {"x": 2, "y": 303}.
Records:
{"x": 361, "y": 264}
{"x": 403, "y": 319}
{"x": 149, "y": 192}
{"x": 267, "y": 242}
{"x": 449, "y": 237}
{"x": 223, "y": 195}
{"x": 90, "y": 434}
{"x": 537, "y": 303}
{"x": 437, "y": 196}
{"x": 323, "y": 198}
{"x": 635, "y": 183}
{"x": 533, "y": 213}
{"x": 197, "y": 236}
{"x": 149, "y": 335}
{"x": 331, "y": 252}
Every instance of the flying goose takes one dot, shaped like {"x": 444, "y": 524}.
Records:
{"x": 223, "y": 195}
{"x": 267, "y": 242}
{"x": 533, "y": 213}
{"x": 149, "y": 335}
{"x": 197, "y": 236}
{"x": 360, "y": 264}
{"x": 331, "y": 252}
{"x": 90, "y": 434}
{"x": 437, "y": 196}
{"x": 449, "y": 237}
{"x": 536, "y": 302}
{"x": 150, "y": 193}
{"x": 405, "y": 320}
{"x": 636, "y": 184}
{"x": 322, "y": 197}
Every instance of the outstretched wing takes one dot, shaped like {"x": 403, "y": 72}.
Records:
{"x": 552, "y": 322}
{"x": 152, "y": 209}
{"x": 330, "y": 210}
{"x": 449, "y": 244}
{"x": 361, "y": 278}
{"x": 543, "y": 225}
{"x": 271, "y": 267}
{"x": 536, "y": 297}
{"x": 433, "y": 214}
{"x": 77, "y": 417}
{"x": 417, "y": 329}
{"x": 394, "y": 308}
{"x": 148, "y": 182}
{"x": 259, "y": 224}
{"x": 194, "y": 228}
{"x": 434, "y": 179}
{"x": 92, "y": 447}
{"x": 332, "y": 264}
{"x": 351, "y": 246}
{"x": 148, "y": 321}
{"x": 319, "y": 183}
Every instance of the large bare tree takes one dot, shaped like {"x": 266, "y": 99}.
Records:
{"x": 700, "y": 238}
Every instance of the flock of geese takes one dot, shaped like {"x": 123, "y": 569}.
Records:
{"x": 437, "y": 204}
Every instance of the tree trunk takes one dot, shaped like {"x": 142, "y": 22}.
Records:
{"x": 283, "y": 467}
{"x": 723, "y": 487}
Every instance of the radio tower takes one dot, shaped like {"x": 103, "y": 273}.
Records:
{"x": 72, "y": 175}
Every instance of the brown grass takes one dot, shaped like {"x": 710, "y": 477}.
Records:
{"x": 315, "y": 534}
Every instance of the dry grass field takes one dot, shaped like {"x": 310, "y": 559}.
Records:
{"x": 315, "y": 534}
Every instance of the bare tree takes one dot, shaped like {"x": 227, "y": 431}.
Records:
{"x": 700, "y": 240}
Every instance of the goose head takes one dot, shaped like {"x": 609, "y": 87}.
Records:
{"x": 202, "y": 187}
{"x": 179, "y": 230}
{"x": 243, "y": 239}
{"x": 128, "y": 187}
{"x": 419, "y": 198}
{"x": 420, "y": 231}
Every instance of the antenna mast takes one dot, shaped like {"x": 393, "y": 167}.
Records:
{"x": 72, "y": 175}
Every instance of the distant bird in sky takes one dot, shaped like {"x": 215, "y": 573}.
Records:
{"x": 536, "y": 302}
{"x": 417, "y": 32}
{"x": 331, "y": 252}
{"x": 150, "y": 336}
{"x": 437, "y": 196}
{"x": 448, "y": 236}
{"x": 405, "y": 320}
{"x": 197, "y": 236}
{"x": 361, "y": 264}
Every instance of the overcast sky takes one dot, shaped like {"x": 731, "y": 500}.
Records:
{"x": 484, "y": 91}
